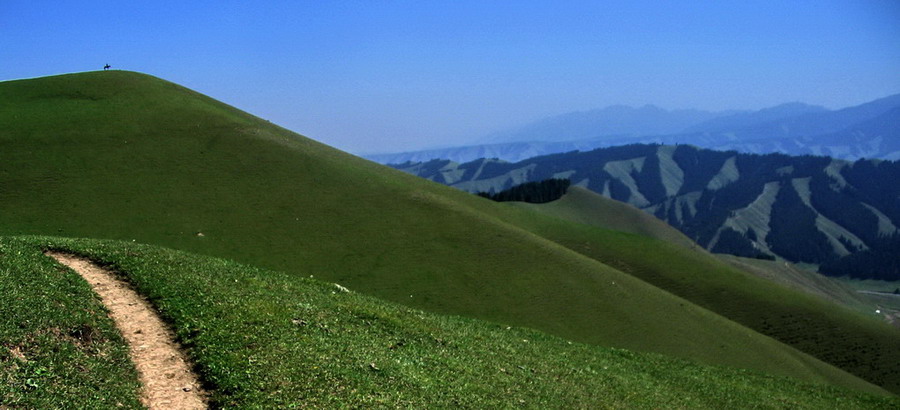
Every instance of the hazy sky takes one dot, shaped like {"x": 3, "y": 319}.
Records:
{"x": 379, "y": 76}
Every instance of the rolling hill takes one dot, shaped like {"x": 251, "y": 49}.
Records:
{"x": 120, "y": 155}
{"x": 830, "y": 332}
{"x": 587, "y": 207}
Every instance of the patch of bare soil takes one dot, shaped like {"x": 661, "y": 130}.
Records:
{"x": 166, "y": 376}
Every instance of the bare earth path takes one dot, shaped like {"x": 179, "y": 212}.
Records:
{"x": 168, "y": 382}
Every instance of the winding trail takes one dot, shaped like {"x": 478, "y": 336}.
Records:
{"x": 166, "y": 376}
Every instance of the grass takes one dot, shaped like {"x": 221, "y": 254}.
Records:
{"x": 120, "y": 155}
{"x": 871, "y": 284}
{"x": 583, "y": 206}
{"x": 861, "y": 344}
{"x": 883, "y": 299}
{"x": 587, "y": 207}
{"x": 265, "y": 339}
{"x": 57, "y": 346}
{"x": 829, "y": 288}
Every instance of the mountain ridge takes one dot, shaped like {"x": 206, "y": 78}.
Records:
{"x": 793, "y": 128}
{"x": 742, "y": 119}
{"x": 615, "y": 121}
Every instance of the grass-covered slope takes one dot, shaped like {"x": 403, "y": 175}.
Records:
{"x": 127, "y": 156}
{"x": 813, "y": 283}
{"x": 861, "y": 344}
{"x": 57, "y": 346}
{"x": 873, "y": 298}
{"x": 266, "y": 339}
{"x": 588, "y": 207}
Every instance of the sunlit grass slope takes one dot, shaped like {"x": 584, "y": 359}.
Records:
{"x": 127, "y": 156}
{"x": 266, "y": 339}
{"x": 57, "y": 345}
{"x": 861, "y": 344}
{"x": 588, "y": 207}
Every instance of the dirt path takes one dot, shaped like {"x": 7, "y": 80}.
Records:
{"x": 167, "y": 379}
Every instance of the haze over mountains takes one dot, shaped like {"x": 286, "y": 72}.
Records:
{"x": 870, "y": 130}
{"x": 613, "y": 122}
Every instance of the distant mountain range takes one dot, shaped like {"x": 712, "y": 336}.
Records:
{"x": 613, "y": 122}
{"x": 808, "y": 209}
{"x": 870, "y": 130}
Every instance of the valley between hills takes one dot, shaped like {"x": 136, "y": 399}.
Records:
{"x": 294, "y": 274}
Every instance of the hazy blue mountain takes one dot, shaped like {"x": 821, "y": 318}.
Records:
{"x": 513, "y": 151}
{"x": 614, "y": 122}
{"x": 743, "y": 204}
{"x": 868, "y": 130}
{"x": 878, "y": 137}
{"x": 815, "y": 123}
{"x": 865, "y": 131}
{"x": 750, "y": 118}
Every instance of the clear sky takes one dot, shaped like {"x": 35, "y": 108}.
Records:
{"x": 381, "y": 76}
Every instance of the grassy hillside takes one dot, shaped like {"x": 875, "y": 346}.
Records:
{"x": 588, "y": 207}
{"x": 803, "y": 280}
{"x": 266, "y": 339}
{"x": 126, "y": 156}
{"x": 861, "y": 344}
{"x": 57, "y": 345}
{"x": 873, "y": 298}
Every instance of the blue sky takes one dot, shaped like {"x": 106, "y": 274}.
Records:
{"x": 381, "y": 76}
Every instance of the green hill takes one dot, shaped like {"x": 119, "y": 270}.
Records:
{"x": 266, "y": 339}
{"x": 840, "y": 335}
{"x": 813, "y": 283}
{"x": 120, "y": 155}
{"x": 588, "y": 207}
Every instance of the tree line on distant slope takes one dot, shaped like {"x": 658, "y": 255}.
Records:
{"x": 735, "y": 243}
{"x": 533, "y": 192}
{"x": 881, "y": 262}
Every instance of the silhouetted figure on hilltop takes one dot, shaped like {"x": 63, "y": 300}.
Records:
{"x": 106, "y": 67}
